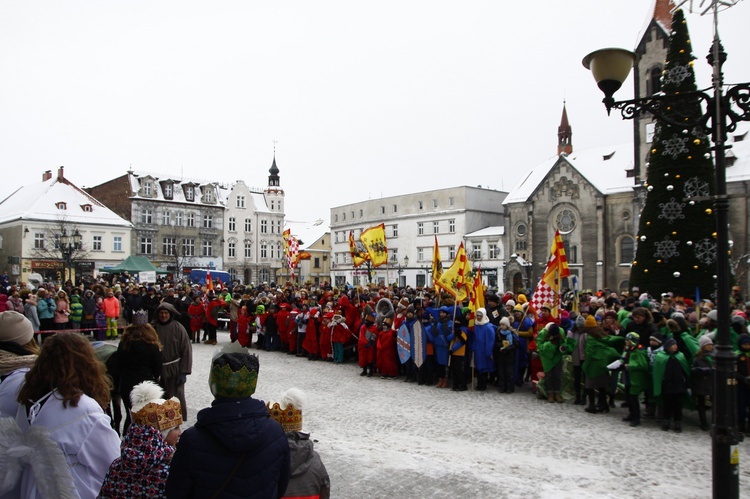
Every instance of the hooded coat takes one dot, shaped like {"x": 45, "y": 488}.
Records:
{"x": 309, "y": 477}
{"x": 230, "y": 430}
{"x": 484, "y": 342}
{"x": 176, "y": 355}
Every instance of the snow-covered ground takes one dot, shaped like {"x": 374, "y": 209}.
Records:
{"x": 386, "y": 438}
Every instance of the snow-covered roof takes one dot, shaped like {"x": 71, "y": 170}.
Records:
{"x": 308, "y": 232}
{"x": 56, "y": 199}
{"x": 178, "y": 192}
{"x": 605, "y": 167}
{"x": 493, "y": 230}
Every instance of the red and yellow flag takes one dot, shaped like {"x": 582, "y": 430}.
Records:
{"x": 437, "y": 266}
{"x": 476, "y": 297}
{"x": 374, "y": 241}
{"x": 456, "y": 280}
{"x": 358, "y": 256}
{"x": 547, "y": 292}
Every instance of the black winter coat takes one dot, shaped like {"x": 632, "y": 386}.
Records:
{"x": 703, "y": 376}
{"x": 224, "y": 432}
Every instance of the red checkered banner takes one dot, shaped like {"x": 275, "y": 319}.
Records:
{"x": 547, "y": 292}
{"x": 291, "y": 250}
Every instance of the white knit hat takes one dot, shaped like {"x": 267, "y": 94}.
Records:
{"x": 15, "y": 328}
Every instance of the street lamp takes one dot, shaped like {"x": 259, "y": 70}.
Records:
{"x": 610, "y": 68}
{"x": 68, "y": 246}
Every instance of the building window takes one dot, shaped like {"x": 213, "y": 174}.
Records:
{"x": 188, "y": 247}
{"x": 248, "y": 225}
{"x": 178, "y": 219}
{"x": 476, "y": 251}
{"x": 394, "y": 231}
{"x": 248, "y": 253}
{"x": 241, "y": 202}
{"x": 352, "y": 214}
{"x": 264, "y": 227}
{"x": 189, "y": 192}
{"x": 117, "y": 243}
{"x": 209, "y": 195}
{"x": 434, "y": 203}
{"x": 272, "y": 205}
{"x": 565, "y": 221}
{"x": 87, "y": 208}
{"x": 336, "y": 217}
{"x": 278, "y": 250}
{"x": 450, "y": 201}
{"x": 39, "y": 240}
{"x": 343, "y": 217}
{"x": 361, "y": 212}
{"x": 232, "y": 250}
{"x": 232, "y": 224}
{"x": 316, "y": 263}
{"x": 395, "y": 208}
{"x": 263, "y": 250}
{"x": 146, "y": 246}
{"x": 420, "y": 228}
{"x": 165, "y": 217}
{"x": 147, "y": 189}
{"x": 207, "y": 248}
{"x": 146, "y": 215}
{"x": 452, "y": 226}
{"x": 436, "y": 227}
{"x": 420, "y": 254}
{"x": 627, "y": 250}
{"x": 208, "y": 221}
{"x": 191, "y": 220}
{"x": 382, "y": 210}
{"x": 278, "y": 226}
{"x": 420, "y": 205}
{"x": 494, "y": 251}
{"x": 521, "y": 230}
{"x": 169, "y": 247}
{"x": 653, "y": 83}
{"x": 452, "y": 252}
{"x": 97, "y": 244}
{"x": 168, "y": 190}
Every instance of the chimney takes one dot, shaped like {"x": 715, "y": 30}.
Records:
{"x": 46, "y": 175}
{"x": 60, "y": 175}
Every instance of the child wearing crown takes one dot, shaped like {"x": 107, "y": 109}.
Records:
{"x": 146, "y": 452}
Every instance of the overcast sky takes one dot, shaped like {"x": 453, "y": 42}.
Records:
{"x": 364, "y": 99}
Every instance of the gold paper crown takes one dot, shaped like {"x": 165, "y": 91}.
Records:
{"x": 289, "y": 418}
{"x": 162, "y": 416}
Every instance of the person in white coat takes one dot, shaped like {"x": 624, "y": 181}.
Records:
{"x": 60, "y": 443}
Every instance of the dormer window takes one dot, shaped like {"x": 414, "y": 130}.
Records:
{"x": 61, "y": 206}
{"x": 168, "y": 190}
{"x": 147, "y": 189}
{"x": 87, "y": 208}
{"x": 208, "y": 195}
{"x": 189, "y": 192}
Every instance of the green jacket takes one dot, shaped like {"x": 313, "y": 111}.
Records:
{"x": 660, "y": 364}
{"x": 638, "y": 371}
{"x": 76, "y": 311}
{"x": 549, "y": 352}
{"x": 600, "y": 352}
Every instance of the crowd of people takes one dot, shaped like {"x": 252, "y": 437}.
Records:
{"x": 653, "y": 356}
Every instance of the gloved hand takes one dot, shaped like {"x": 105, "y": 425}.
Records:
{"x": 181, "y": 379}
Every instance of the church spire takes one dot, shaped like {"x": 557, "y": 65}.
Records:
{"x": 663, "y": 13}
{"x": 273, "y": 178}
{"x": 564, "y": 134}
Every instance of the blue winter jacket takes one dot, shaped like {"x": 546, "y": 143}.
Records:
{"x": 438, "y": 335}
{"x": 484, "y": 342}
{"x": 207, "y": 452}
{"x": 46, "y": 308}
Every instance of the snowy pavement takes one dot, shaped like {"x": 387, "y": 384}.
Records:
{"x": 388, "y": 439}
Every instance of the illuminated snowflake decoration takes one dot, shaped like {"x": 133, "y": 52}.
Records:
{"x": 675, "y": 146}
{"x": 666, "y": 249}
{"x": 676, "y": 75}
{"x": 696, "y": 187}
{"x": 672, "y": 210}
{"x": 705, "y": 251}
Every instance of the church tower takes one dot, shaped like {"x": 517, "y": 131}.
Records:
{"x": 274, "y": 194}
{"x": 564, "y": 135}
{"x": 651, "y": 53}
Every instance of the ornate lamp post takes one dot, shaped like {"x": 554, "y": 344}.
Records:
{"x": 725, "y": 107}
{"x": 68, "y": 245}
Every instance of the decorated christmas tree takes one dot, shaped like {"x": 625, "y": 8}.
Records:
{"x": 676, "y": 240}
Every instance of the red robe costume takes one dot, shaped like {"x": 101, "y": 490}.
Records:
{"x": 367, "y": 349}
{"x": 243, "y": 331}
{"x": 196, "y": 313}
{"x": 283, "y": 324}
{"x": 326, "y": 345}
{"x": 387, "y": 358}
{"x": 310, "y": 343}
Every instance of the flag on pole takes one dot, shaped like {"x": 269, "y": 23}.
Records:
{"x": 291, "y": 251}
{"x": 209, "y": 281}
{"x": 374, "y": 241}
{"x": 358, "y": 255}
{"x": 455, "y": 280}
{"x": 547, "y": 292}
{"x": 476, "y": 297}
{"x": 437, "y": 266}
{"x": 576, "y": 299}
